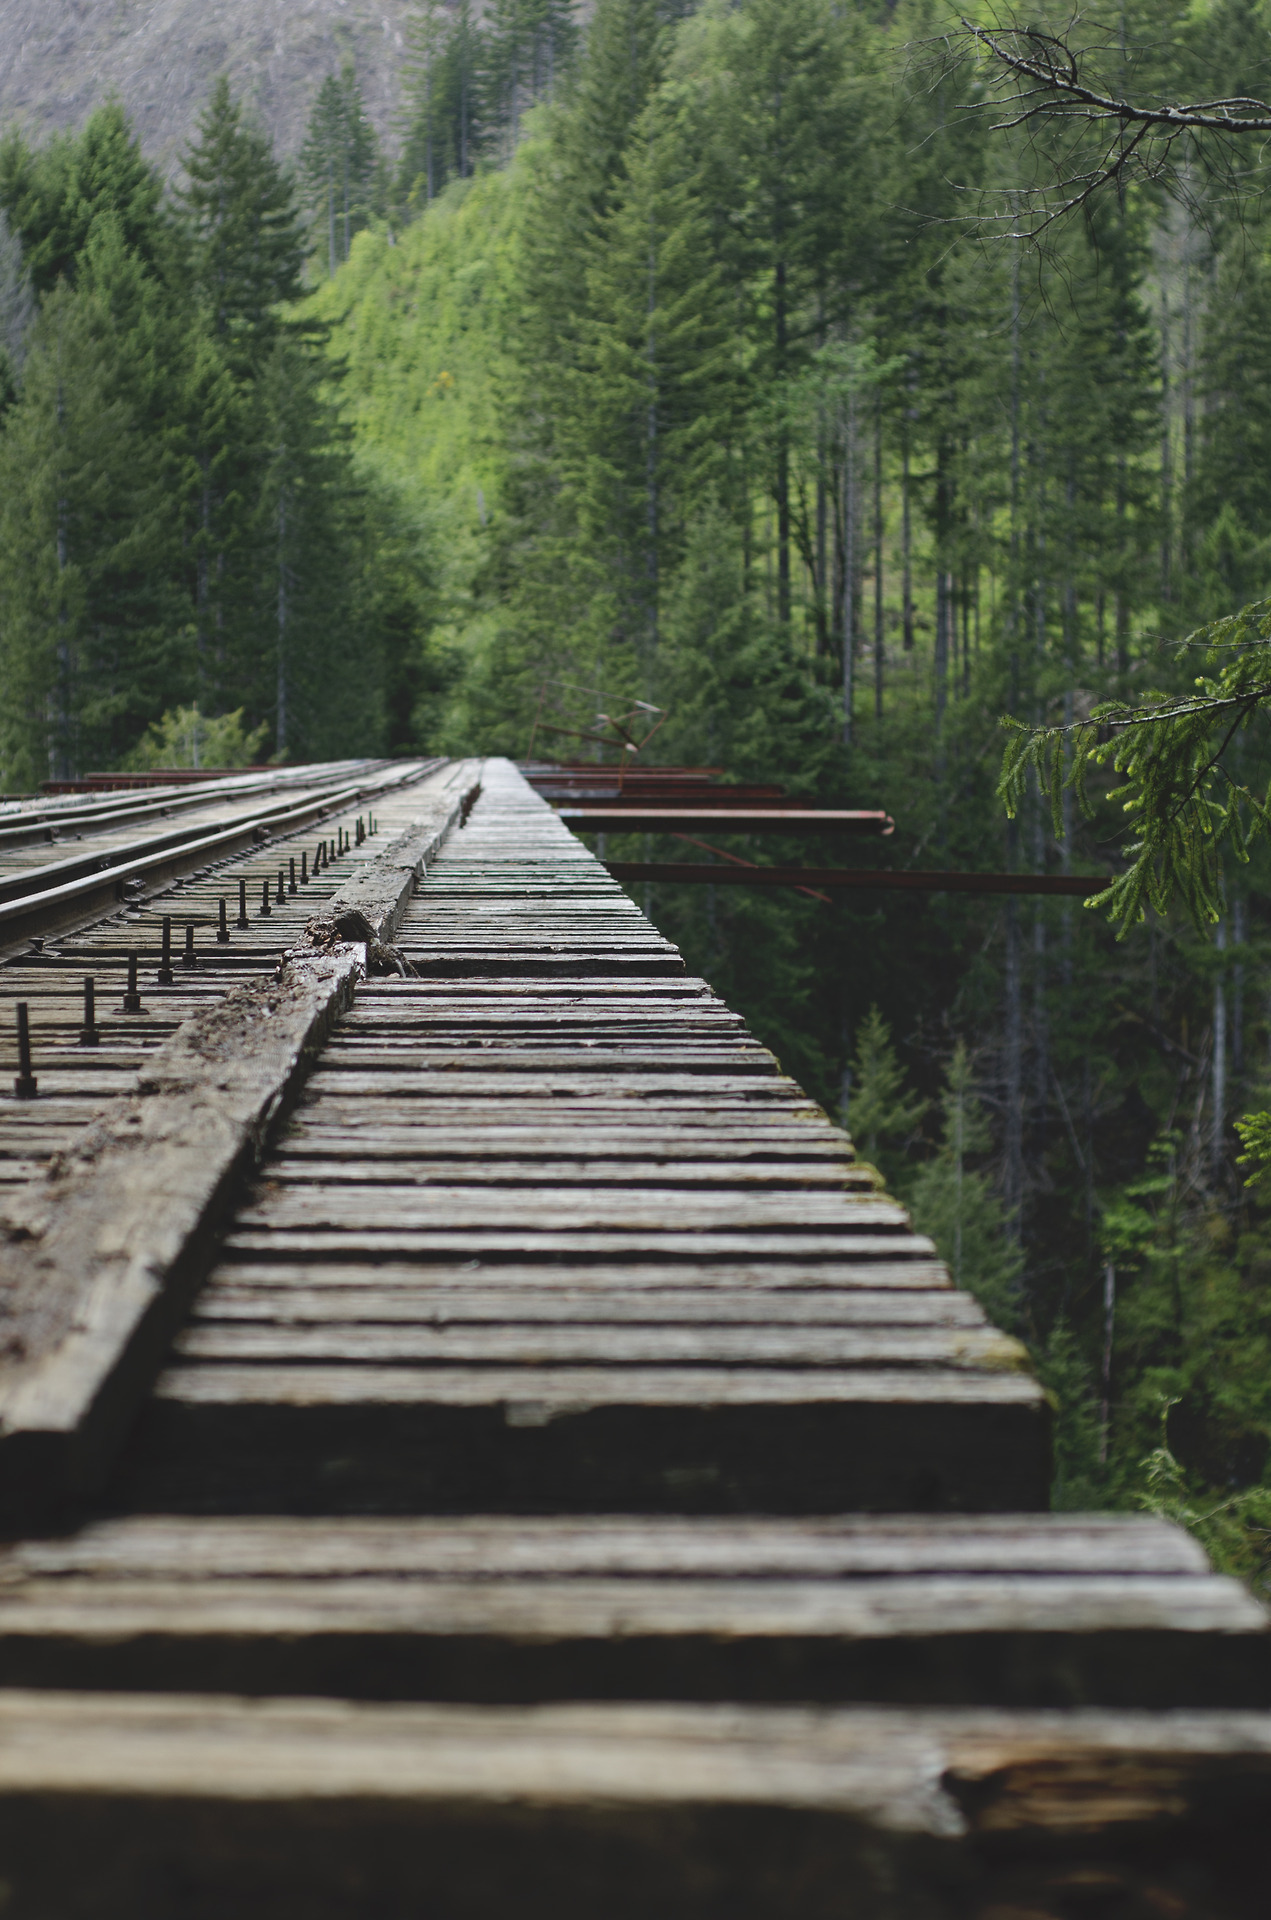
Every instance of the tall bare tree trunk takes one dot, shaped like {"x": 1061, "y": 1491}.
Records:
{"x": 878, "y": 556}
{"x": 850, "y": 512}
{"x": 282, "y": 621}
{"x": 1218, "y": 1062}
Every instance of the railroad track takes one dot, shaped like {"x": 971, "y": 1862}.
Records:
{"x": 495, "y": 1447}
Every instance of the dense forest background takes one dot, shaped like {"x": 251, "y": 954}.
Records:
{"x": 691, "y": 360}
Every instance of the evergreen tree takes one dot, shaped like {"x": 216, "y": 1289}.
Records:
{"x": 17, "y": 309}
{"x": 52, "y": 195}
{"x": 83, "y": 657}
{"x": 339, "y": 164}
{"x": 248, "y": 248}
{"x": 447, "y": 112}
{"x": 955, "y": 1203}
{"x": 881, "y": 1113}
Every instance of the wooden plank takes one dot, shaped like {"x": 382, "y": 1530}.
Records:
{"x": 284, "y": 1302}
{"x": 411, "y": 1439}
{"x": 881, "y": 1262}
{"x": 164, "y": 1548}
{"x": 316, "y": 1206}
{"x": 275, "y": 1810}
{"x": 599, "y": 1344}
{"x": 98, "y": 1262}
{"x": 1075, "y": 1610}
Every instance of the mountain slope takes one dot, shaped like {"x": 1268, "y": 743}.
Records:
{"x": 60, "y": 58}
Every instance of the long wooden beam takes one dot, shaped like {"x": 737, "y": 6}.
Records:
{"x": 698, "y": 872}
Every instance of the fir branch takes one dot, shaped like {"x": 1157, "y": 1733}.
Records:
{"x": 1186, "y": 805}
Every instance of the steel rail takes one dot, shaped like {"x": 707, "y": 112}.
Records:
{"x": 43, "y": 821}
{"x": 59, "y": 908}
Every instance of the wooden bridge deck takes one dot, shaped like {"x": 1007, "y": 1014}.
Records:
{"x": 575, "y": 1486}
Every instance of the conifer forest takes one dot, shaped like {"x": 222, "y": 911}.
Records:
{"x": 786, "y": 366}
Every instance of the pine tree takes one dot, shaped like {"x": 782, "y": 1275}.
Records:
{"x": 17, "y": 310}
{"x": 78, "y": 506}
{"x": 447, "y": 117}
{"x": 881, "y": 1113}
{"x": 247, "y": 243}
{"x": 53, "y": 194}
{"x": 339, "y": 164}
{"x": 653, "y": 394}
{"x": 956, "y": 1204}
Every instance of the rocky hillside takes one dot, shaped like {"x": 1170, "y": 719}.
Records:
{"x": 59, "y": 58}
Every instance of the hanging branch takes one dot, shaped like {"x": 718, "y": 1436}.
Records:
{"x": 1045, "y": 79}
{"x": 1184, "y": 803}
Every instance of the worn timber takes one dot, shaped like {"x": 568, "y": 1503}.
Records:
{"x": 558, "y": 1478}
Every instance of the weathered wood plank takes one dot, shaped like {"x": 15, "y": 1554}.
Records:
{"x": 283, "y": 1302}
{"x": 1074, "y": 1609}
{"x": 598, "y": 1344}
{"x": 311, "y": 1810}
{"x": 99, "y": 1261}
{"x": 414, "y": 1439}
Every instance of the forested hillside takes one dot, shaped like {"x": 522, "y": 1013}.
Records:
{"x": 700, "y": 361}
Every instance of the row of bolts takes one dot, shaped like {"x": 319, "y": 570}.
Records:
{"x": 25, "y": 1082}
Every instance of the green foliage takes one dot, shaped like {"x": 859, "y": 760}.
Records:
{"x": 339, "y": 165}
{"x": 183, "y": 523}
{"x": 53, "y": 195}
{"x": 1064, "y": 1369}
{"x": 246, "y": 244}
{"x": 187, "y": 738}
{"x": 1235, "y": 1532}
{"x": 1187, "y": 803}
{"x": 956, "y": 1204}
{"x": 881, "y": 1113}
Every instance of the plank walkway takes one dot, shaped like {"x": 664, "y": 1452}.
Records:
{"x": 576, "y": 1488}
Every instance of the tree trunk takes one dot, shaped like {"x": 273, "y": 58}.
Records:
{"x": 878, "y": 556}
{"x": 1167, "y": 461}
{"x": 651, "y": 473}
{"x": 1013, "y": 1126}
{"x": 850, "y": 509}
{"x": 822, "y": 530}
{"x": 1218, "y": 1063}
{"x": 783, "y": 458}
{"x": 906, "y": 542}
{"x": 281, "y": 741}
{"x": 331, "y": 217}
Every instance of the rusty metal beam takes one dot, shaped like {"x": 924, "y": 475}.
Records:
{"x": 644, "y": 818}
{"x": 697, "y": 872}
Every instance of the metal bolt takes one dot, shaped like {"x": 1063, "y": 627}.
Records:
{"x": 291, "y": 884}
{"x": 132, "y": 999}
{"x": 165, "y": 964}
{"x": 24, "y": 1083}
{"x": 88, "y": 1034}
{"x": 282, "y": 888}
{"x": 264, "y": 899}
{"x": 222, "y": 930}
{"x": 189, "y": 958}
{"x": 304, "y": 869}
{"x": 242, "y": 904}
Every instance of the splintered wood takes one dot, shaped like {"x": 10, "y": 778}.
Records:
{"x": 576, "y": 1489}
